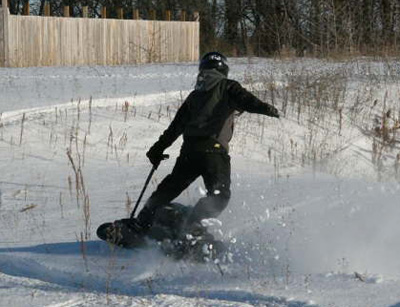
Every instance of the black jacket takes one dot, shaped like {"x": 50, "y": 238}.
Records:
{"x": 206, "y": 116}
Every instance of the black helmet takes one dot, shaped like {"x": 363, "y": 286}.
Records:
{"x": 214, "y": 60}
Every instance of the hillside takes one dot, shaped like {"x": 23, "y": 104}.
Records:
{"x": 313, "y": 220}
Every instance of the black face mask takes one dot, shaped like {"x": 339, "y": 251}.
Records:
{"x": 208, "y": 79}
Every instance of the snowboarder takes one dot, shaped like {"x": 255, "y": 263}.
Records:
{"x": 205, "y": 120}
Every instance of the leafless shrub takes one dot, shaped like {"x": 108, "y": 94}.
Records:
{"x": 125, "y": 110}
{"x": 90, "y": 115}
{"x": 397, "y": 166}
{"x": 60, "y": 201}
{"x": 82, "y": 195}
{"x": 123, "y": 140}
{"x": 110, "y": 141}
{"x": 128, "y": 205}
{"x": 22, "y": 128}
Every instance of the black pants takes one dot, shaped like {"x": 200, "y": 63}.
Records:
{"x": 215, "y": 168}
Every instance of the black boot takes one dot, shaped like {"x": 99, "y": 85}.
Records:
{"x": 126, "y": 233}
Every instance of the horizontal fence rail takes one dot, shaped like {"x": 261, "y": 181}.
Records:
{"x": 58, "y": 41}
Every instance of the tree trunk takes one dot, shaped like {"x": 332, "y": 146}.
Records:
{"x": 232, "y": 18}
{"x": 387, "y": 21}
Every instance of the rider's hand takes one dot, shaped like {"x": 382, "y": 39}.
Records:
{"x": 156, "y": 155}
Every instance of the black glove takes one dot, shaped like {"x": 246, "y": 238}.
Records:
{"x": 155, "y": 155}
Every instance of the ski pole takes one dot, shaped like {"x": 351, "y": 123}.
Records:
{"x": 153, "y": 169}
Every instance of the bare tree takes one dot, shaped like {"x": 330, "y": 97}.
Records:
{"x": 263, "y": 27}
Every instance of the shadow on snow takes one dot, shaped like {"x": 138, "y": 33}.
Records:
{"x": 28, "y": 267}
{"x": 91, "y": 248}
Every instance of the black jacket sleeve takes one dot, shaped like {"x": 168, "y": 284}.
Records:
{"x": 242, "y": 100}
{"x": 174, "y": 130}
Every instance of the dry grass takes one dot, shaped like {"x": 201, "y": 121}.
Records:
{"x": 328, "y": 110}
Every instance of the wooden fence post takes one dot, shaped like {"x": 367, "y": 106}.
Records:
{"x": 47, "y": 8}
{"x": 85, "y": 11}
{"x": 26, "y": 8}
{"x": 168, "y": 15}
{"x": 135, "y": 14}
{"x": 4, "y": 50}
{"x": 183, "y": 15}
{"x": 104, "y": 12}
{"x": 66, "y": 11}
{"x": 120, "y": 13}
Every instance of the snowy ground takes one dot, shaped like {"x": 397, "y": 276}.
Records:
{"x": 314, "y": 219}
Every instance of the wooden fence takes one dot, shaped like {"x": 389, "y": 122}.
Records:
{"x": 60, "y": 41}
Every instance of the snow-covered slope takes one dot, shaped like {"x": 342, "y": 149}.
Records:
{"x": 314, "y": 217}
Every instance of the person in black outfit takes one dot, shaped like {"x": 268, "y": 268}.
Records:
{"x": 205, "y": 120}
